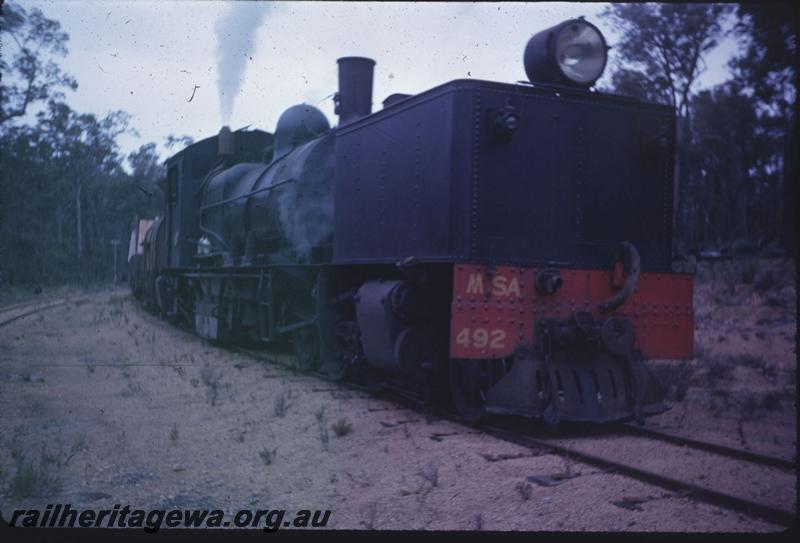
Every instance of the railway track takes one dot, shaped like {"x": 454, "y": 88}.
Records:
{"x": 22, "y": 305}
{"x": 741, "y": 480}
{"x": 20, "y": 311}
{"x": 723, "y": 477}
{"x": 732, "y": 452}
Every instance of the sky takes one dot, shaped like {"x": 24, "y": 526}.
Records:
{"x": 158, "y": 60}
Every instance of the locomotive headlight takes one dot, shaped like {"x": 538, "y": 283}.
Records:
{"x": 581, "y": 52}
{"x": 573, "y": 52}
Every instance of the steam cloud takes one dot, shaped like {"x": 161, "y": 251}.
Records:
{"x": 236, "y": 32}
{"x": 306, "y": 207}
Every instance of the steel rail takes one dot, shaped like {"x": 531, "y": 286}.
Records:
{"x": 728, "y": 501}
{"x": 32, "y": 312}
{"x": 724, "y": 450}
{"x": 21, "y": 305}
{"x": 45, "y": 306}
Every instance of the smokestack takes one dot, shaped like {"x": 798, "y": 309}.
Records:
{"x": 354, "y": 99}
{"x": 225, "y": 142}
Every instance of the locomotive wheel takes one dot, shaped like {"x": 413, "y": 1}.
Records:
{"x": 372, "y": 380}
{"x": 306, "y": 344}
{"x": 336, "y": 367}
{"x": 466, "y": 390}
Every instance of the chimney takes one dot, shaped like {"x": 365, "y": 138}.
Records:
{"x": 354, "y": 99}
{"x": 225, "y": 142}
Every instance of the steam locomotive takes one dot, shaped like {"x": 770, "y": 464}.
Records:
{"x": 505, "y": 247}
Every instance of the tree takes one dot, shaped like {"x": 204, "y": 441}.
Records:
{"x": 30, "y": 76}
{"x": 659, "y": 56}
{"x": 172, "y": 141}
{"x": 662, "y": 48}
{"x": 148, "y": 171}
{"x": 88, "y": 153}
{"x": 768, "y": 69}
{"x": 767, "y": 65}
{"x": 729, "y": 193}
{"x": 64, "y": 195}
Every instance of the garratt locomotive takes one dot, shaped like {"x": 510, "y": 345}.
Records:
{"x": 503, "y": 245}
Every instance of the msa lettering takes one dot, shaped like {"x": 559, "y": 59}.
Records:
{"x": 481, "y": 338}
{"x": 501, "y": 285}
{"x": 475, "y": 285}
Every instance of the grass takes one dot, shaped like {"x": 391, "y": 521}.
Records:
{"x": 755, "y": 362}
{"x": 211, "y": 377}
{"x": 174, "y": 435}
{"x": 771, "y": 401}
{"x": 719, "y": 369}
{"x": 267, "y": 456}
{"x": 761, "y": 274}
{"x": 765, "y": 281}
{"x": 749, "y": 407}
{"x": 323, "y": 427}
{"x": 754, "y": 405}
{"x": 676, "y": 377}
{"x": 342, "y": 427}
{"x": 568, "y": 465}
{"x": 525, "y": 490}
{"x": 775, "y": 302}
{"x": 32, "y": 480}
{"x": 430, "y": 472}
{"x": 51, "y": 458}
{"x": 78, "y": 446}
{"x": 371, "y": 512}
{"x": 749, "y": 270}
{"x": 323, "y": 436}
{"x": 133, "y": 387}
{"x": 281, "y": 405}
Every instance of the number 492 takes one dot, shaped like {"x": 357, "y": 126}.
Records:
{"x": 481, "y": 337}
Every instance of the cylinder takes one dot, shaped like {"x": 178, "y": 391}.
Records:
{"x": 354, "y": 99}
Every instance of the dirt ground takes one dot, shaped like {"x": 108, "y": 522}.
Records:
{"x": 103, "y": 404}
{"x": 741, "y": 387}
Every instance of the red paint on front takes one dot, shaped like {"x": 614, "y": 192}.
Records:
{"x": 494, "y": 310}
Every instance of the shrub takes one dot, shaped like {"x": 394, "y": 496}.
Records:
{"x": 765, "y": 281}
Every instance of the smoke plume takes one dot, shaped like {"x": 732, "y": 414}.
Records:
{"x": 236, "y": 31}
